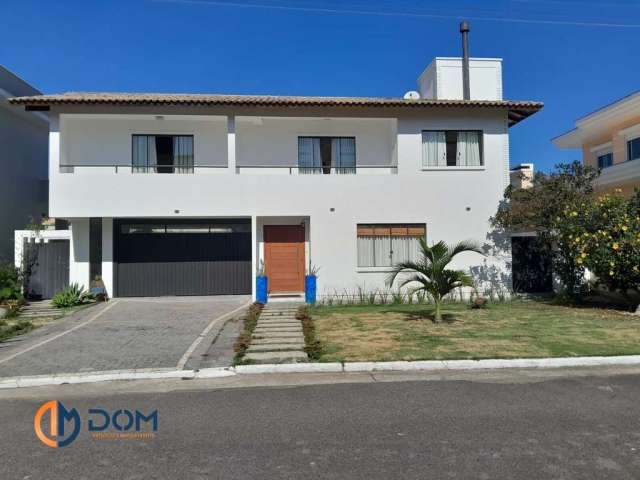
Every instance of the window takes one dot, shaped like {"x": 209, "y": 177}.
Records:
{"x": 196, "y": 228}
{"x": 95, "y": 248}
{"x": 325, "y": 155}
{"x": 451, "y": 148}
{"x": 162, "y": 154}
{"x": 605, "y": 160}
{"x": 633, "y": 149}
{"x": 383, "y": 245}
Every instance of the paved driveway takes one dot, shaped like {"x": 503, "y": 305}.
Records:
{"x": 121, "y": 334}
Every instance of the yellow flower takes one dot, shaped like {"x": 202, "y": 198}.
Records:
{"x": 615, "y": 246}
{"x": 611, "y": 272}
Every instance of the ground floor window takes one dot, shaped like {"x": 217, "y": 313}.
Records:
{"x": 383, "y": 245}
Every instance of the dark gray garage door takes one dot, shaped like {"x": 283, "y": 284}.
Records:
{"x": 190, "y": 257}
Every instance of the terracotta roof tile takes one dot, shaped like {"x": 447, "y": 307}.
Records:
{"x": 518, "y": 109}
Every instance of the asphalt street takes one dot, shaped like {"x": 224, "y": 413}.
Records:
{"x": 584, "y": 427}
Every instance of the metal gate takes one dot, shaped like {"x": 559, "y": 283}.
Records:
{"x": 182, "y": 257}
{"x": 50, "y": 267}
{"x": 531, "y": 265}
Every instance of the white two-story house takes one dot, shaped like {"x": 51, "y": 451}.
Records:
{"x": 180, "y": 194}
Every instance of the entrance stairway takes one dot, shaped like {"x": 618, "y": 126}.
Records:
{"x": 39, "y": 308}
{"x": 278, "y": 336}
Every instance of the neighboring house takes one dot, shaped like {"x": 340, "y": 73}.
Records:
{"x": 610, "y": 140}
{"x": 521, "y": 176}
{"x": 24, "y": 138}
{"x": 180, "y": 194}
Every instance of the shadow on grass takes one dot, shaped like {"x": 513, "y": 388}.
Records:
{"x": 423, "y": 315}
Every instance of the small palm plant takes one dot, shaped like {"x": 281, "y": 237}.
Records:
{"x": 432, "y": 273}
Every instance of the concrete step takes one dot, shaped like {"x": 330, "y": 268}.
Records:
{"x": 277, "y": 347}
{"x": 296, "y": 335}
{"x": 276, "y": 341}
{"x": 279, "y": 325}
{"x": 43, "y": 313}
{"x": 278, "y": 330}
{"x": 276, "y": 357}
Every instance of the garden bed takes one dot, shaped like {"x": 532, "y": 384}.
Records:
{"x": 515, "y": 329}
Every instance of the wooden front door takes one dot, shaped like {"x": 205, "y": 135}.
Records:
{"x": 284, "y": 257}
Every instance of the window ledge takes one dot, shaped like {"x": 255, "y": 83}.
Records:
{"x": 481, "y": 167}
{"x": 374, "y": 269}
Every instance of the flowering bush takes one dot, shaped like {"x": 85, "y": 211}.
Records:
{"x": 603, "y": 235}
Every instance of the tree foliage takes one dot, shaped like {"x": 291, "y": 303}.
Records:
{"x": 538, "y": 208}
{"x": 603, "y": 235}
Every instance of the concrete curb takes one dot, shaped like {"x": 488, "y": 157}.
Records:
{"x": 400, "y": 366}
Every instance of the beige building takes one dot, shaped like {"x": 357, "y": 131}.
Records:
{"x": 610, "y": 140}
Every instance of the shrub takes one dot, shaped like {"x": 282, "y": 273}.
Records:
{"x": 71, "y": 296}
{"x": 312, "y": 346}
{"x": 603, "y": 235}
{"x": 10, "y": 283}
{"x": 250, "y": 322}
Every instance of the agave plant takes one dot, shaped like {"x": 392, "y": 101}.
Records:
{"x": 431, "y": 271}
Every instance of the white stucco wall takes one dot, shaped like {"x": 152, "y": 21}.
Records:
{"x": 374, "y": 138}
{"x": 454, "y": 203}
{"x": 81, "y": 134}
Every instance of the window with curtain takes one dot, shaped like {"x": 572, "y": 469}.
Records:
{"x": 383, "y": 245}
{"x": 162, "y": 154}
{"x": 452, "y": 148}
{"x": 326, "y": 155}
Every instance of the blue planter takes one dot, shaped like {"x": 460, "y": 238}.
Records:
{"x": 262, "y": 289}
{"x": 310, "y": 288}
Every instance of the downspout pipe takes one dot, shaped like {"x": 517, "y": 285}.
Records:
{"x": 466, "y": 89}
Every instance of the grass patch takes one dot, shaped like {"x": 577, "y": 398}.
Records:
{"x": 250, "y": 321}
{"x": 514, "y": 329}
{"x": 12, "y": 327}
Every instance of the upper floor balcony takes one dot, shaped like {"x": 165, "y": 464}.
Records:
{"x": 202, "y": 144}
{"x": 623, "y": 175}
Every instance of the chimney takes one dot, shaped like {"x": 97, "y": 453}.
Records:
{"x": 464, "y": 30}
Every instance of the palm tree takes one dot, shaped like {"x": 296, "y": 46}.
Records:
{"x": 432, "y": 273}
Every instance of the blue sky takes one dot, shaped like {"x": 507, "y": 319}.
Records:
{"x": 574, "y": 55}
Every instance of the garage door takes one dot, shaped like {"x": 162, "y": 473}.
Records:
{"x": 168, "y": 257}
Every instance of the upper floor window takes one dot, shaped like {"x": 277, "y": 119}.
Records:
{"x": 452, "y": 148}
{"x": 383, "y": 245}
{"x": 605, "y": 160}
{"x": 633, "y": 149}
{"x": 162, "y": 154}
{"x": 325, "y": 155}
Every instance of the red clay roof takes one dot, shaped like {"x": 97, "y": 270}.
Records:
{"x": 518, "y": 109}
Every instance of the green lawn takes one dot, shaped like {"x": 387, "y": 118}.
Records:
{"x": 517, "y": 329}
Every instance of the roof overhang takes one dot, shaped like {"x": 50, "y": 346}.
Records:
{"x": 600, "y": 122}
{"x": 516, "y": 110}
